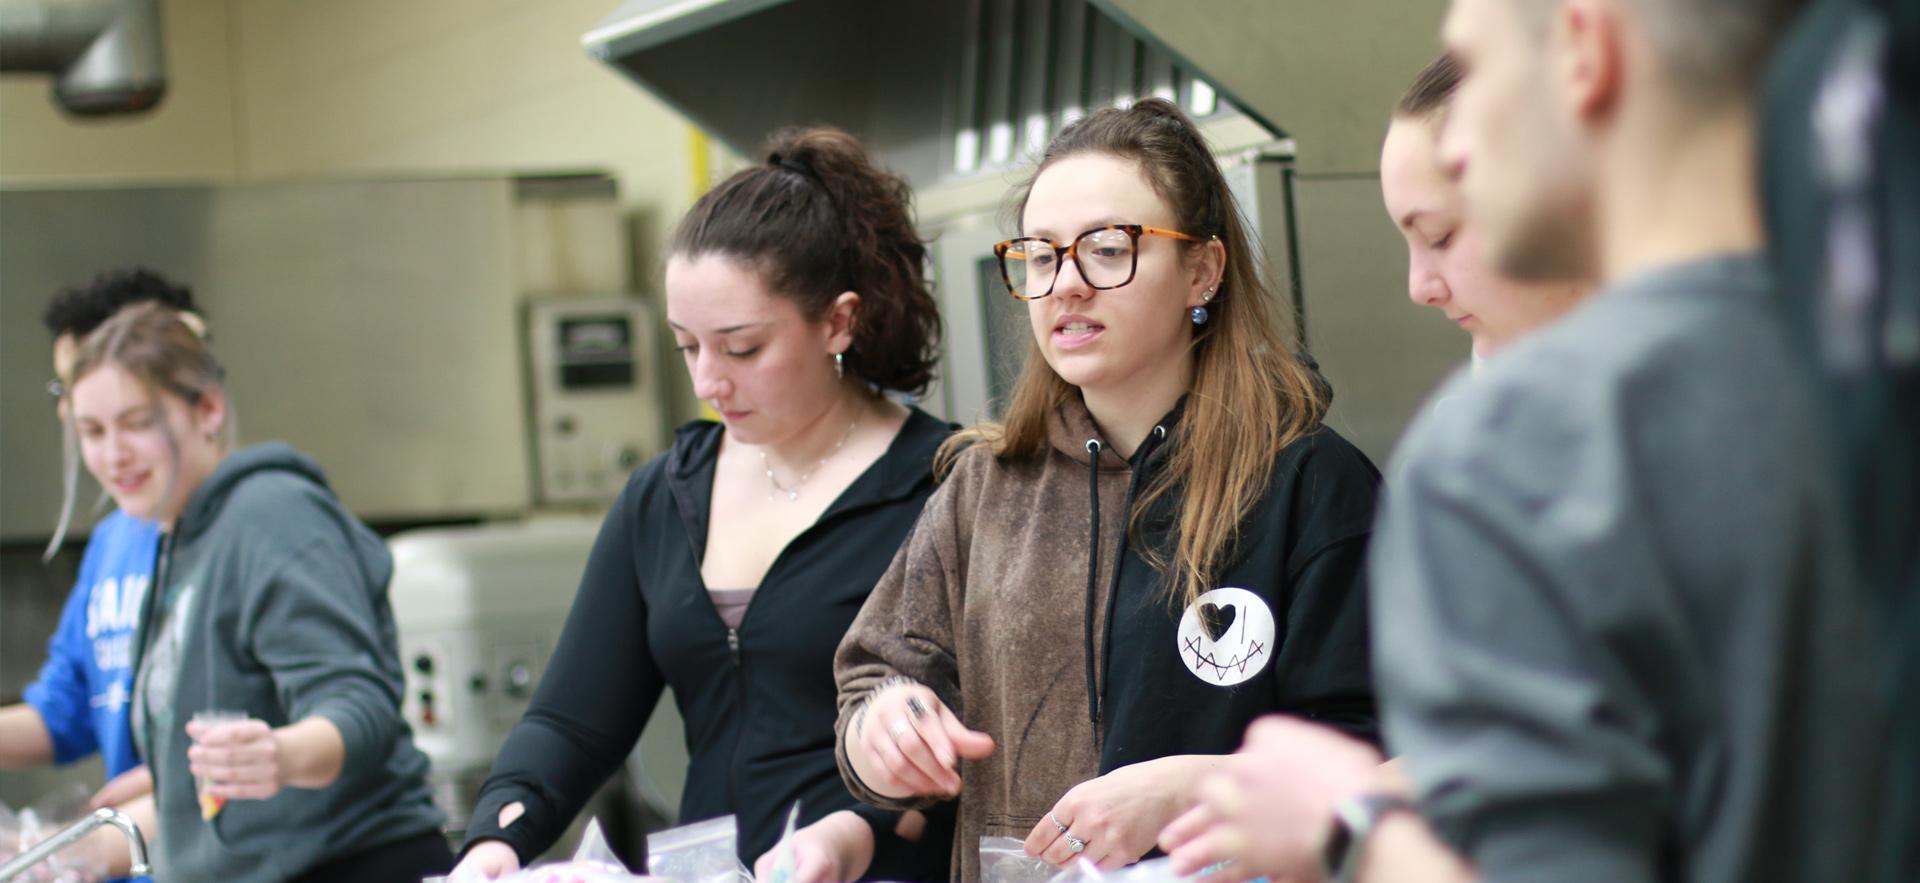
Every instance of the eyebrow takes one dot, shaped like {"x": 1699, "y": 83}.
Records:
{"x": 122, "y": 415}
{"x": 1108, "y": 221}
{"x": 730, "y": 329}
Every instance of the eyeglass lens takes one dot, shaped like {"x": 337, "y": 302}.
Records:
{"x": 1103, "y": 257}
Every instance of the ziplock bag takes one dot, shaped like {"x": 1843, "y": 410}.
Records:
{"x": 1005, "y": 860}
{"x": 1159, "y": 870}
{"x": 702, "y": 852}
{"x": 593, "y": 862}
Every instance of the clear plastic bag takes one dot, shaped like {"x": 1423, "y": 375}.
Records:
{"x": 47, "y": 817}
{"x": 703, "y": 852}
{"x": 1159, "y": 870}
{"x": 593, "y": 862}
{"x": 1005, "y": 860}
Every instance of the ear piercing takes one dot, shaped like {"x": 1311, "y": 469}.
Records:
{"x": 1199, "y": 313}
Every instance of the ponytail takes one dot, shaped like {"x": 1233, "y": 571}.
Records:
{"x": 819, "y": 217}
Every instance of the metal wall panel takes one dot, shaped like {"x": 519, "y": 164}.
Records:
{"x": 370, "y": 324}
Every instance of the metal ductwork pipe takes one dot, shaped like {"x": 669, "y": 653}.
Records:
{"x": 106, "y": 55}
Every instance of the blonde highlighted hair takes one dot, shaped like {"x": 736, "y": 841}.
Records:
{"x": 1251, "y": 396}
{"x": 166, "y": 351}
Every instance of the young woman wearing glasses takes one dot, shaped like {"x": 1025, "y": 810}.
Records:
{"x": 731, "y": 565}
{"x": 1160, "y": 543}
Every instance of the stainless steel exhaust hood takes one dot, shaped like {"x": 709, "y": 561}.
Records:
{"x": 959, "y": 94}
{"x": 106, "y": 55}
{"x": 940, "y": 90}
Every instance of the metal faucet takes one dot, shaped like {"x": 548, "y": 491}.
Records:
{"x": 136, "y": 844}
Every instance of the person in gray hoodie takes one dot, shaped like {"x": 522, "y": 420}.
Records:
{"x": 269, "y": 602}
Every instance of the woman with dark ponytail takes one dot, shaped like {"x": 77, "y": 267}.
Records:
{"x": 731, "y": 565}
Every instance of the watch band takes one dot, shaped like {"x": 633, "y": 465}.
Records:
{"x": 1354, "y": 820}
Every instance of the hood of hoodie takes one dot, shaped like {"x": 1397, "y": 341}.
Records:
{"x": 1071, "y": 430}
{"x": 236, "y": 468}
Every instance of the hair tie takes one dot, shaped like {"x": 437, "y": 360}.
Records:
{"x": 193, "y": 322}
{"x": 795, "y": 166}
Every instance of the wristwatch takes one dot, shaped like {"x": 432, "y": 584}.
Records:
{"x": 1354, "y": 820}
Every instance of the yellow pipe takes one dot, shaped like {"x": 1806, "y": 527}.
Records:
{"x": 699, "y": 161}
{"x": 700, "y": 179}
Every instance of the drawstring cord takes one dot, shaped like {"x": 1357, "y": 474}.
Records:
{"x": 1159, "y": 434}
{"x": 1093, "y": 570}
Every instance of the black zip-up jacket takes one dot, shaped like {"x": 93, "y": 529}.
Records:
{"x": 1021, "y": 599}
{"x": 758, "y": 702}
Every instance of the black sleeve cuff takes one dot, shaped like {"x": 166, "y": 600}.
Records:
{"x": 523, "y": 835}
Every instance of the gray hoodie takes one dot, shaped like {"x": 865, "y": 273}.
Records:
{"x": 270, "y": 598}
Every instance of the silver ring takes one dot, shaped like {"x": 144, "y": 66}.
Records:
{"x": 915, "y": 708}
{"x": 1056, "y": 821}
{"x": 1076, "y": 844}
{"x": 899, "y": 728}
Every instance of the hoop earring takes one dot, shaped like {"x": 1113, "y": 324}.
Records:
{"x": 839, "y": 366}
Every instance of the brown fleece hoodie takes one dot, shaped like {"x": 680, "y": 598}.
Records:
{"x": 1014, "y": 622}
{"x": 990, "y": 603}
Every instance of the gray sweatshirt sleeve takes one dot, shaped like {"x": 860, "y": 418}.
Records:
{"x": 314, "y": 626}
{"x": 1512, "y": 579}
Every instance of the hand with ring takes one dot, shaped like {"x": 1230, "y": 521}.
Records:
{"x": 1114, "y": 819}
{"x": 1074, "y": 844}
{"x": 907, "y": 743}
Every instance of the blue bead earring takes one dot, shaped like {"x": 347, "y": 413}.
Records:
{"x": 1199, "y": 313}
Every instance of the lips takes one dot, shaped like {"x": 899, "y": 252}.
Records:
{"x": 127, "y": 484}
{"x": 1071, "y": 331}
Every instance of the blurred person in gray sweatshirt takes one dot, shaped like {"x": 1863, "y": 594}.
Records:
{"x": 269, "y": 600}
{"x": 1619, "y": 633}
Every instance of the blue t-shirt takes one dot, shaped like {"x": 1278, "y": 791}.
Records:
{"x": 84, "y": 685}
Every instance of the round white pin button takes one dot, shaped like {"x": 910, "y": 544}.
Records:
{"x": 1226, "y": 636}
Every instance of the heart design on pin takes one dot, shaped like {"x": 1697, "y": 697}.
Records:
{"x": 1218, "y": 619}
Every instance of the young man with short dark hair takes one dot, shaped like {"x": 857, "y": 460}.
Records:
{"x": 1617, "y": 632}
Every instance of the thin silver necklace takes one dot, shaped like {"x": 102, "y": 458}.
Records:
{"x": 793, "y": 493}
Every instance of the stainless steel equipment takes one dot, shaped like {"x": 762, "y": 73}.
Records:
{"x": 107, "y": 55}
{"x": 479, "y": 611}
{"x": 596, "y": 410}
{"x": 959, "y": 97}
{"x": 404, "y": 370}
{"x": 45, "y": 849}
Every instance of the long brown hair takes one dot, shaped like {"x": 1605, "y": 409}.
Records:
{"x": 1251, "y": 394}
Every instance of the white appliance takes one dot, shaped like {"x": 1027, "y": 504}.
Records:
{"x": 479, "y": 611}
{"x": 596, "y": 407}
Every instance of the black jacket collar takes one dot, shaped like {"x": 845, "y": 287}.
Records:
{"x": 898, "y": 474}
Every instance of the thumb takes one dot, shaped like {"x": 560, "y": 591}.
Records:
{"x": 813, "y": 867}
{"x": 1185, "y": 828}
{"x": 971, "y": 744}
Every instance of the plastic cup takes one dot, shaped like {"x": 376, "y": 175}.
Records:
{"x": 211, "y": 805}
